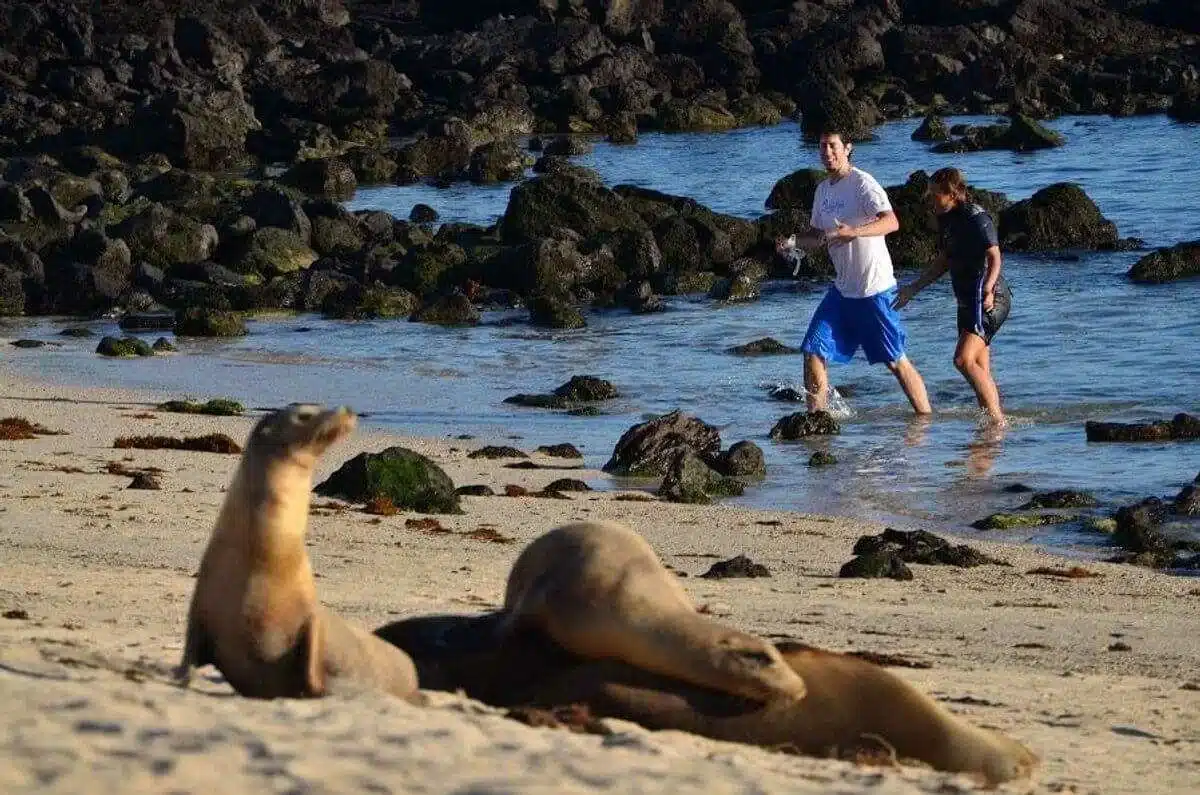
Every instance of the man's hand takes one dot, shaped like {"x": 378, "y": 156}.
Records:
{"x": 842, "y": 233}
{"x": 903, "y": 296}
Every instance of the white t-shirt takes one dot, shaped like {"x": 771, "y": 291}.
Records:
{"x": 864, "y": 264}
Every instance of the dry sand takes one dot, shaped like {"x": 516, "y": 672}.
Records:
{"x": 1099, "y": 676}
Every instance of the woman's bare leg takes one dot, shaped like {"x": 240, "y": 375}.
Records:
{"x": 973, "y": 360}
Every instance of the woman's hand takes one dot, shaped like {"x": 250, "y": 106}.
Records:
{"x": 989, "y": 300}
{"x": 903, "y": 296}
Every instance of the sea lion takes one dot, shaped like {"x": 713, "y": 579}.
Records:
{"x": 600, "y": 591}
{"x": 254, "y": 612}
{"x": 851, "y": 704}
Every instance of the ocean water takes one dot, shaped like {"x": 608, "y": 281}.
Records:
{"x": 1082, "y": 343}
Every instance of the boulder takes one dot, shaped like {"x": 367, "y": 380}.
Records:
{"x": 1023, "y": 134}
{"x": 408, "y": 479}
{"x": 688, "y": 115}
{"x": 1063, "y": 498}
{"x": 327, "y": 176}
{"x": 1060, "y": 216}
{"x": 197, "y": 130}
{"x": 93, "y": 273}
{"x": 427, "y": 269}
{"x": 124, "y": 346}
{"x": 564, "y": 200}
{"x": 163, "y": 238}
{"x": 444, "y": 158}
{"x": 742, "y": 459}
{"x": 876, "y": 565}
{"x": 796, "y": 190}
{"x": 1012, "y": 521}
{"x": 1181, "y": 261}
{"x": 578, "y": 390}
{"x": 498, "y": 161}
{"x": 689, "y": 479}
{"x": 647, "y": 449}
{"x": 554, "y": 311}
{"x": 802, "y": 424}
{"x": 205, "y": 322}
{"x": 1181, "y": 426}
{"x": 933, "y": 128}
{"x": 581, "y": 388}
{"x": 1186, "y": 105}
{"x": 1138, "y": 528}
{"x": 273, "y": 251}
{"x": 920, "y": 546}
{"x": 369, "y": 302}
{"x": 766, "y": 346}
{"x": 454, "y": 309}
{"x": 1187, "y": 502}
{"x": 12, "y": 292}
{"x": 739, "y": 566}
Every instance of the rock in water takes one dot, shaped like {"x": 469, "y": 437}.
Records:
{"x": 802, "y": 424}
{"x": 1181, "y": 426}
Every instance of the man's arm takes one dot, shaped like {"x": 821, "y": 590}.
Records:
{"x": 885, "y": 223}
{"x": 873, "y": 202}
{"x": 809, "y": 239}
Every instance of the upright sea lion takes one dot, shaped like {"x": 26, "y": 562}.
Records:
{"x": 599, "y": 590}
{"x": 254, "y": 613}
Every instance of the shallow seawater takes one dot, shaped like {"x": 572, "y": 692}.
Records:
{"x": 1081, "y": 342}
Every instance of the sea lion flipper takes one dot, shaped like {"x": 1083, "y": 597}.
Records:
{"x": 311, "y": 643}
{"x": 197, "y": 652}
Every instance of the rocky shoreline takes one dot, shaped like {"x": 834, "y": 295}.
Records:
{"x": 165, "y": 248}
{"x": 139, "y": 146}
{"x": 214, "y": 84}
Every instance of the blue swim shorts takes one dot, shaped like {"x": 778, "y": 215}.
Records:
{"x": 841, "y": 325}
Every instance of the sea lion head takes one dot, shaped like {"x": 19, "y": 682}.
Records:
{"x": 300, "y": 431}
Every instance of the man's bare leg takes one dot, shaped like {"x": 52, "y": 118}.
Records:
{"x": 973, "y": 360}
{"x": 816, "y": 382}
{"x": 912, "y": 384}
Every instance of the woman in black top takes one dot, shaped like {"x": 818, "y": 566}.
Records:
{"x": 971, "y": 252}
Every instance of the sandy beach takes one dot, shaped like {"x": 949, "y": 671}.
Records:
{"x": 1096, "y": 675}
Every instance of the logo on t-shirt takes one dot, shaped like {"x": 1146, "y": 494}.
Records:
{"x": 833, "y": 207}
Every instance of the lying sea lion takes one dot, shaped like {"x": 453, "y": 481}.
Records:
{"x": 851, "y": 703}
{"x": 254, "y": 612}
{"x": 599, "y": 590}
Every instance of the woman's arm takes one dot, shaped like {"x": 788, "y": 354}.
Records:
{"x": 935, "y": 271}
{"x": 991, "y": 276}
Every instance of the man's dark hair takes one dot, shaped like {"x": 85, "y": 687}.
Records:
{"x": 831, "y": 131}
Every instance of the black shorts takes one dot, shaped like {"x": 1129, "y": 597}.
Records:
{"x": 972, "y": 318}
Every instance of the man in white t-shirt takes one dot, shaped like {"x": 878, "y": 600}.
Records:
{"x": 851, "y": 214}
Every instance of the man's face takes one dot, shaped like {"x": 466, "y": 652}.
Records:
{"x": 835, "y": 155}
